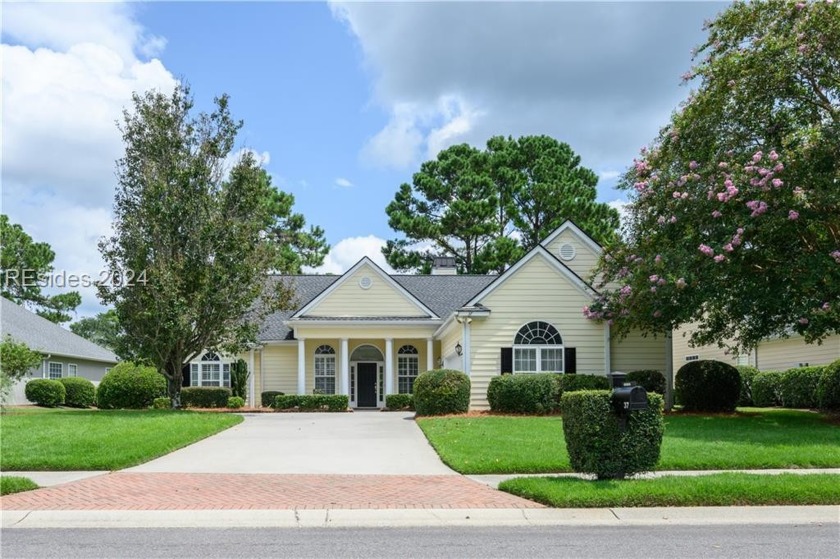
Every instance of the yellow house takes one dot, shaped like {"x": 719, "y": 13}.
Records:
{"x": 368, "y": 333}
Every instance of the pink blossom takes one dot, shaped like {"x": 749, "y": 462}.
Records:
{"x": 673, "y": 219}
{"x": 778, "y": 182}
{"x": 662, "y": 281}
{"x": 626, "y": 290}
{"x": 661, "y": 220}
{"x": 693, "y": 165}
{"x": 684, "y": 195}
{"x": 706, "y": 249}
{"x": 803, "y": 321}
{"x": 676, "y": 195}
{"x": 716, "y": 214}
{"x": 793, "y": 215}
{"x": 681, "y": 283}
{"x": 641, "y": 166}
{"x": 798, "y": 192}
{"x": 719, "y": 258}
{"x": 723, "y": 165}
{"x": 654, "y": 278}
{"x": 773, "y": 155}
{"x": 757, "y": 156}
{"x": 653, "y": 289}
{"x": 757, "y": 206}
{"x": 802, "y": 48}
{"x": 826, "y": 306}
{"x": 731, "y": 83}
{"x": 800, "y": 5}
{"x": 658, "y": 258}
{"x": 657, "y": 314}
{"x": 728, "y": 247}
{"x": 762, "y": 171}
{"x": 778, "y": 167}
{"x": 836, "y": 256}
{"x": 721, "y": 197}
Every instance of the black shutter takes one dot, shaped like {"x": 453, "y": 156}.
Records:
{"x": 570, "y": 360}
{"x": 507, "y": 360}
{"x": 185, "y": 375}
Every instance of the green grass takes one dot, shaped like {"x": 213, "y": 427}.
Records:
{"x": 100, "y": 440}
{"x": 753, "y": 439}
{"x": 16, "y": 484}
{"x": 727, "y": 489}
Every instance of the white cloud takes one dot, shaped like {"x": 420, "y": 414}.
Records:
{"x": 398, "y": 143}
{"x": 342, "y": 182}
{"x": 609, "y": 175}
{"x": 623, "y": 211}
{"x": 344, "y": 254}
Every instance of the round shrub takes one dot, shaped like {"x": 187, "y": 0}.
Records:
{"x": 399, "y": 402}
{"x": 441, "y": 392}
{"x": 532, "y": 394}
{"x": 708, "y": 386}
{"x": 235, "y": 402}
{"x": 747, "y": 375}
{"x": 268, "y": 397}
{"x": 649, "y": 379}
{"x": 205, "y": 396}
{"x": 162, "y": 403}
{"x": 766, "y": 389}
{"x": 798, "y": 387}
{"x": 828, "y": 388}
{"x": 45, "y": 392}
{"x": 597, "y": 443}
{"x": 130, "y": 386}
{"x": 79, "y": 392}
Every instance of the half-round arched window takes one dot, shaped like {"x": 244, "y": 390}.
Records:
{"x": 408, "y": 367}
{"x": 325, "y": 369}
{"x": 538, "y": 348}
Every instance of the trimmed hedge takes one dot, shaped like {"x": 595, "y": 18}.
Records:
{"x": 596, "y": 442}
{"x": 708, "y": 386}
{"x": 441, "y": 392}
{"x": 130, "y": 386}
{"x": 205, "y": 397}
{"x": 162, "y": 403}
{"x": 79, "y": 392}
{"x": 236, "y": 402}
{"x": 45, "y": 392}
{"x": 399, "y": 402}
{"x": 267, "y": 398}
{"x": 766, "y": 389}
{"x": 798, "y": 387}
{"x": 312, "y": 402}
{"x": 649, "y": 379}
{"x": 747, "y": 375}
{"x": 570, "y": 383}
{"x": 828, "y": 388}
{"x": 525, "y": 393}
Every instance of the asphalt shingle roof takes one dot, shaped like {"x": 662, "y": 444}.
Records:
{"x": 47, "y": 337}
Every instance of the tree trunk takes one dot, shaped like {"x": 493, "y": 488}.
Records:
{"x": 175, "y": 378}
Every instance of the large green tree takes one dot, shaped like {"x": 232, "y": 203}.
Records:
{"x": 102, "y": 329}
{"x": 488, "y": 207}
{"x": 16, "y": 359}
{"x": 192, "y": 245}
{"x": 735, "y": 208}
{"x": 25, "y": 267}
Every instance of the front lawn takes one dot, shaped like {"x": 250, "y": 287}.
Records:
{"x": 752, "y": 439}
{"x": 100, "y": 440}
{"x": 16, "y": 484}
{"x": 722, "y": 490}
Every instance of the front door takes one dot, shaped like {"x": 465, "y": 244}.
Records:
{"x": 366, "y": 387}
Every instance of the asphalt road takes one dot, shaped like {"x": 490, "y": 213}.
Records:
{"x": 742, "y": 541}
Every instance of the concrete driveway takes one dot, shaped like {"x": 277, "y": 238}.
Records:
{"x": 363, "y": 442}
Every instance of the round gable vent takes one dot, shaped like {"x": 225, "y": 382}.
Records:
{"x": 567, "y": 251}
{"x": 365, "y": 282}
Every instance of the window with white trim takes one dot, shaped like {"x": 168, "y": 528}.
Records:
{"x": 72, "y": 370}
{"x": 55, "y": 370}
{"x": 210, "y": 370}
{"x": 408, "y": 367}
{"x": 538, "y": 348}
{"x": 325, "y": 370}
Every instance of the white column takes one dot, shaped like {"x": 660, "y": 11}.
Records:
{"x": 301, "y": 366}
{"x": 669, "y": 371}
{"x": 466, "y": 347}
{"x": 345, "y": 368}
{"x": 389, "y": 366}
{"x": 430, "y": 354}
{"x": 252, "y": 398}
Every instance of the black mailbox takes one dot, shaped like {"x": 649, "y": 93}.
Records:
{"x": 627, "y": 398}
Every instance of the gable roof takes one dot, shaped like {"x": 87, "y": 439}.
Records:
{"x": 47, "y": 337}
{"x": 570, "y": 225}
{"x": 426, "y": 312}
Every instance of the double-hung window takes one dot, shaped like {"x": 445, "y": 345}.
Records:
{"x": 325, "y": 370}
{"x": 408, "y": 367}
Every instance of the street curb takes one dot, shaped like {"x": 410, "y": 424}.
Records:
{"x": 377, "y": 518}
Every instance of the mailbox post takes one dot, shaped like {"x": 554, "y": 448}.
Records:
{"x": 626, "y": 398}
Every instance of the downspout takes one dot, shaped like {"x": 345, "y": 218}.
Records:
{"x": 252, "y": 400}
{"x": 607, "y": 349}
{"x": 467, "y": 346}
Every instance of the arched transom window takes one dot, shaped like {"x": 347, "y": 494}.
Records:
{"x": 538, "y": 348}
{"x": 210, "y": 370}
{"x": 325, "y": 370}
{"x": 408, "y": 366}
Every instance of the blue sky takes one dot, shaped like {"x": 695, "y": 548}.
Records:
{"x": 342, "y": 101}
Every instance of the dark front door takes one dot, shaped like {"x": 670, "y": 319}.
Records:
{"x": 366, "y": 386}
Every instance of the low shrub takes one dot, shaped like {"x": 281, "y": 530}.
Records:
{"x": 79, "y": 392}
{"x": 45, "y": 392}
{"x": 766, "y": 389}
{"x": 798, "y": 387}
{"x": 236, "y": 402}
{"x": 649, "y": 379}
{"x": 130, "y": 386}
{"x": 828, "y": 388}
{"x": 399, "y": 402}
{"x": 312, "y": 402}
{"x": 525, "y": 393}
{"x": 205, "y": 397}
{"x": 441, "y": 391}
{"x": 267, "y": 398}
{"x": 569, "y": 383}
{"x": 708, "y": 386}
{"x": 747, "y": 375}
{"x": 598, "y": 444}
{"x": 162, "y": 403}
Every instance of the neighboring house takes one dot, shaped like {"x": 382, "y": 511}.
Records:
{"x": 772, "y": 354}
{"x": 367, "y": 333}
{"x": 65, "y": 353}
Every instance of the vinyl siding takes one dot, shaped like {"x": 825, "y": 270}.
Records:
{"x": 637, "y": 352}
{"x": 278, "y": 367}
{"x": 585, "y": 259}
{"x": 449, "y": 339}
{"x": 782, "y": 354}
{"x": 682, "y": 349}
{"x": 381, "y": 299}
{"x": 537, "y": 291}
